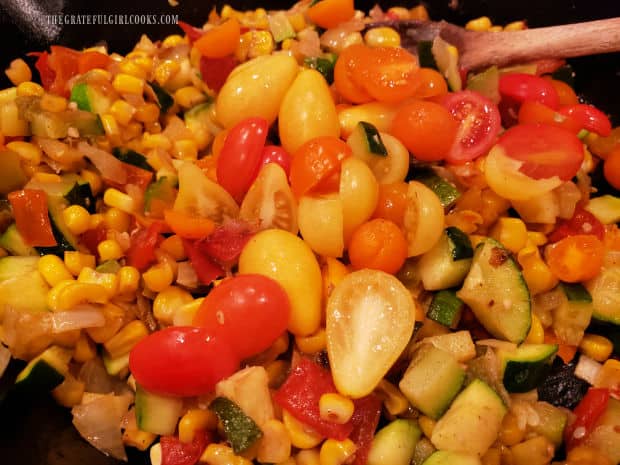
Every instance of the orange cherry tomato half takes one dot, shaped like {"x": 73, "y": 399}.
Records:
{"x": 611, "y": 168}
{"x": 566, "y": 94}
{"x": 429, "y": 83}
{"x": 378, "y": 244}
{"x": 590, "y": 117}
{"x": 426, "y": 128}
{"x": 536, "y": 112}
{"x": 220, "y": 41}
{"x": 316, "y": 161}
{"x": 546, "y": 151}
{"x": 392, "y": 202}
{"x": 347, "y": 65}
{"x": 330, "y": 13}
{"x": 575, "y": 258}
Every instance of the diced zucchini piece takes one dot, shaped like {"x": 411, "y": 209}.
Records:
{"x": 552, "y": 421}
{"x": 497, "y": 293}
{"x": 446, "y": 191}
{"x": 323, "y": 64}
{"x": 524, "y": 367}
{"x": 12, "y": 174}
{"x": 606, "y": 208}
{"x": 56, "y": 125}
{"x": 280, "y": 26}
{"x": 115, "y": 365}
{"x": 65, "y": 239}
{"x": 132, "y": 157}
{"x": 88, "y": 98}
{"x": 445, "y": 308}
{"x": 81, "y": 194}
{"x": 365, "y": 138}
{"x": 459, "y": 344}
{"x": 164, "y": 99}
{"x": 395, "y": 443}
{"x": 12, "y": 241}
{"x": 446, "y": 457}
{"x": 433, "y": 379}
{"x": 46, "y": 371}
{"x": 162, "y": 191}
{"x": 605, "y": 292}
{"x": 157, "y": 414}
{"x": 448, "y": 262}
{"x": 447, "y": 58}
{"x": 486, "y": 83}
{"x": 573, "y": 315}
{"x": 241, "y": 431}
{"x": 472, "y": 422}
{"x": 20, "y": 277}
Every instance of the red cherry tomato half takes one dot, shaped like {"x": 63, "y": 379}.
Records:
{"x": 582, "y": 222}
{"x": 589, "y": 117}
{"x": 182, "y": 361}
{"x": 240, "y": 157}
{"x": 176, "y": 452}
{"x": 249, "y": 311}
{"x": 536, "y": 112}
{"x": 520, "y": 87}
{"x": 546, "y": 151}
{"x": 479, "y": 123}
{"x": 276, "y": 154}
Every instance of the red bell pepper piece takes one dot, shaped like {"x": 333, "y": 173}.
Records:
{"x": 135, "y": 175}
{"x": 31, "y": 217}
{"x": 215, "y": 71}
{"x": 300, "y": 395}
{"x": 582, "y": 222}
{"x": 175, "y": 452}
{"x": 224, "y": 245}
{"x": 206, "y": 269}
{"x": 46, "y": 74}
{"x": 365, "y": 420}
{"x": 192, "y": 33}
{"x": 92, "y": 237}
{"x": 588, "y": 411}
{"x": 141, "y": 252}
{"x": 91, "y": 60}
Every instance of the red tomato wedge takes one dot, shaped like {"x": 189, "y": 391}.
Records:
{"x": 546, "y": 151}
{"x": 589, "y": 117}
{"x": 520, "y": 87}
{"x": 479, "y": 124}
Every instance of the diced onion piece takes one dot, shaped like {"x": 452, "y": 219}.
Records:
{"x": 587, "y": 369}
{"x": 108, "y": 165}
{"x": 78, "y": 318}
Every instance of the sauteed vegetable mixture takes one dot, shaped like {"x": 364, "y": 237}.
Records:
{"x": 283, "y": 238}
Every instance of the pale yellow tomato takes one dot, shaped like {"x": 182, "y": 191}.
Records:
{"x": 424, "y": 219}
{"x": 321, "y": 224}
{"x": 358, "y": 192}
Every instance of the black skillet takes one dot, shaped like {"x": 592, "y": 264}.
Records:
{"x": 34, "y": 430}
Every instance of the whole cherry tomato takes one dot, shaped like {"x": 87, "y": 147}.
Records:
{"x": 520, "y": 87}
{"x": 240, "y": 157}
{"x": 589, "y": 117}
{"x": 532, "y": 111}
{"x": 249, "y": 311}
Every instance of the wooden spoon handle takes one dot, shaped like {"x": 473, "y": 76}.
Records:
{"x": 480, "y": 49}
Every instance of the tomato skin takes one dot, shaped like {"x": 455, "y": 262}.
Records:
{"x": 566, "y": 94}
{"x": 392, "y": 202}
{"x": 427, "y": 129}
{"x": 365, "y": 420}
{"x": 348, "y": 65}
{"x": 378, "y": 244}
{"x": 520, "y": 87}
{"x": 276, "y": 154}
{"x": 330, "y": 13}
{"x": 215, "y": 71}
{"x": 479, "y": 124}
{"x": 575, "y": 258}
{"x": 588, "y": 411}
{"x": 429, "y": 83}
{"x": 192, "y": 33}
{"x": 546, "y": 151}
{"x": 91, "y": 60}
{"x": 182, "y": 361}
{"x": 205, "y": 267}
{"x": 225, "y": 243}
{"x": 221, "y": 40}
{"x": 239, "y": 160}
{"x": 141, "y": 252}
{"x": 611, "y": 168}
{"x": 31, "y": 217}
{"x": 175, "y": 452}
{"x": 589, "y": 117}
{"x": 246, "y": 305}
{"x": 535, "y": 112}
{"x": 582, "y": 222}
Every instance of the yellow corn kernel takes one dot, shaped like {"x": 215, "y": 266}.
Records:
{"x": 128, "y": 84}
{"x": 123, "y": 341}
{"x": 382, "y": 37}
{"x": 53, "y": 103}
{"x": 194, "y": 420}
{"x": 173, "y": 246}
{"x": 308, "y": 457}
{"x": 302, "y": 436}
{"x": 536, "y": 273}
{"x": 352, "y": 39}
{"x": 298, "y": 21}
{"x": 479, "y": 24}
{"x": 133, "y": 131}
{"x": 495, "y": 29}
{"x": 18, "y": 72}
{"x": 76, "y": 218}
{"x": 427, "y": 425}
{"x": 515, "y": 26}
{"x": 399, "y": 11}
{"x": 158, "y": 277}
{"x": 128, "y": 280}
{"x": 69, "y": 392}
{"x": 597, "y": 347}
{"x": 312, "y": 344}
{"x": 335, "y": 452}
{"x": 109, "y": 281}
{"x": 76, "y": 261}
{"x": 492, "y": 456}
{"x": 333, "y": 271}
{"x": 275, "y": 445}
{"x": 537, "y": 332}
{"x": 253, "y": 44}
{"x": 511, "y": 232}
{"x": 53, "y": 270}
{"x": 93, "y": 179}
{"x": 115, "y": 318}
{"x": 394, "y": 400}
{"x": 185, "y": 149}
{"x": 141, "y": 440}
{"x": 184, "y": 315}
{"x": 189, "y": 96}
{"x": 168, "y": 301}
{"x": 537, "y": 238}
{"x": 335, "y": 408}
{"x": 85, "y": 349}
{"x": 220, "y": 454}
{"x": 122, "y": 111}
{"x": 419, "y": 12}
{"x": 287, "y": 44}
{"x": 68, "y": 294}
{"x": 96, "y": 220}
{"x": 117, "y": 220}
{"x": 510, "y": 432}
{"x": 165, "y": 70}
{"x": 29, "y": 89}
{"x": 109, "y": 125}
{"x": 147, "y": 113}
{"x": 29, "y": 152}
{"x": 109, "y": 249}
{"x": 535, "y": 451}
{"x": 130, "y": 68}
{"x": 609, "y": 374}
{"x": 173, "y": 40}
{"x": 144, "y": 62}
{"x": 154, "y": 141}
{"x": 115, "y": 198}
{"x": 47, "y": 178}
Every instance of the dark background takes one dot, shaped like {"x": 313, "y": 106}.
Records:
{"x": 33, "y": 430}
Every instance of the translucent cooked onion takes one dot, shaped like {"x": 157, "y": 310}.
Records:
{"x": 108, "y": 165}
{"x": 186, "y": 275}
{"x": 85, "y": 316}
{"x": 99, "y": 422}
{"x": 587, "y": 369}
{"x": 95, "y": 377}
{"x": 58, "y": 151}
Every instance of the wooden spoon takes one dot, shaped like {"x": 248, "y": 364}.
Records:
{"x": 481, "y": 49}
